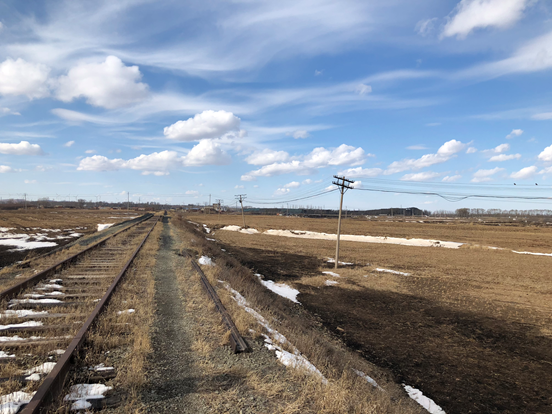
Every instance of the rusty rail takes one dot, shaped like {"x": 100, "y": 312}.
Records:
{"x": 52, "y": 385}
{"x": 14, "y": 290}
{"x": 236, "y": 340}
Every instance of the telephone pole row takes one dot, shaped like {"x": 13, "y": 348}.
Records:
{"x": 343, "y": 185}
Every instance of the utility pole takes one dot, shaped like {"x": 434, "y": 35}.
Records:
{"x": 128, "y": 201}
{"x": 240, "y": 198}
{"x": 343, "y": 185}
{"x": 25, "y": 201}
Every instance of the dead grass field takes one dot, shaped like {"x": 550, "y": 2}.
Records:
{"x": 471, "y": 327}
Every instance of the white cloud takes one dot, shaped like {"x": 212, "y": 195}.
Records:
{"x": 18, "y": 77}
{"x": 299, "y": 134}
{"x": 422, "y": 176}
{"x": 542, "y": 116}
{"x": 267, "y": 156}
{"x": 481, "y": 176}
{"x": 524, "y": 173}
{"x": 360, "y": 172}
{"x": 318, "y": 158}
{"x": 499, "y": 149}
{"x": 547, "y": 170}
{"x": 69, "y": 144}
{"x": 514, "y": 133}
{"x": 293, "y": 184}
{"x": 546, "y": 154}
{"x": 99, "y": 163}
{"x": 363, "y": 89}
{"x": 90, "y": 151}
{"x": 208, "y": 124}
{"x": 30, "y": 181}
{"x": 448, "y": 150}
{"x": 6, "y": 169}
{"x": 451, "y": 178}
{"x": 471, "y": 150}
{"x": 206, "y": 152}
{"x": 425, "y": 27}
{"x": 357, "y": 184}
{"x": 473, "y": 14}
{"x": 8, "y": 111}
{"x": 282, "y": 191}
{"x": 236, "y": 187}
{"x": 504, "y": 157}
{"x": 23, "y": 148}
{"x": 417, "y": 147}
{"x": 109, "y": 84}
{"x": 307, "y": 181}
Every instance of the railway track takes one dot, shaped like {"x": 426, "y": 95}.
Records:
{"x": 45, "y": 320}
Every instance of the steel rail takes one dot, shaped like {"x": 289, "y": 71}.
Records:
{"x": 14, "y": 290}
{"x": 236, "y": 340}
{"x": 52, "y": 385}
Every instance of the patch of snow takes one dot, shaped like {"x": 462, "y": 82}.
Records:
{"x": 241, "y": 230}
{"x": 207, "y": 238}
{"x": 54, "y": 293}
{"x": 370, "y": 381}
{"x": 4, "y": 354}
{"x": 535, "y": 254}
{"x": 21, "y": 313}
{"x": 33, "y": 377}
{"x": 331, "y": 282}
{"x": 280, "y": 289}
{"x": 50, "y": 286}
{"x": 56, "y": 280}
{"x": 294, "y": 359}
{"x": 45, "y": 368}
{"x": 58, "y": 351}
{"x": 10, "y": 403}
{"x": 331, "y": 274}
{"x": 17, "y": 338}
{"x": 206, "y": 261}
{"x": 14, "y": 302}
{"x": 128, "y": 311}
{"x": 101, "y": 367}
{"x": 396, "y": 272}
{"x": 21, "y": 325}
{"x": 421, "y": 399}
{"x": 104, "y": 226}
{"x": 207, "y": 229}
{"x": 364, "y": 239}
{"x": 330, "y": 260}
{"x": 21, "y": 244}
{"x": 81, "y": 392}
{"x": 75, "y": 234}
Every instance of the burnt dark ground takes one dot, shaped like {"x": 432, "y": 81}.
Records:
{"x": 468, "y": 362}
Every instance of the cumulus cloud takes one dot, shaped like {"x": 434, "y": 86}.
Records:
{"x": 318, "y": 158}
{"x": 474, "y": 14}
{"x": 160, "y": 163}
{"x": 299, "y": 134}
{"x": 499, "y": 149}
{"x": 422, "y": 176}
{"x": 281, "y": 191}
{"x": 363, "y": 89}
{"x": 360, "y": 172}
{"x": 293, "y": 184}
{"x": 425, "y": 27}
{"x": 69, "y": 144}
{"x": 90, "y": 151}
{"x": 514, "y": 133}
{"x": 6, "y": 169}
{"x": 524, "y": 173}
{"x": 267, "y": 156}
{"x": 451, "y": 178}
{"x": 504, "y": 157}
{"x": 357, "y": 184}
{"x": 109, "y": 84}
{"x": 23, "y": 148}
{"x": 208, "y": 124}
{"x": 481, "y": 176}
{"x": 18, "y": 77}
{"x": 448, "y": 150}
{"x": 546, "y": 154}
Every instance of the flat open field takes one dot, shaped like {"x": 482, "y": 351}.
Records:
{"x": 469, "y": 326}
{"x": 28, "y": 233}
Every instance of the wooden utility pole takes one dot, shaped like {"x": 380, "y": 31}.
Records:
{"x": 128, "y": 201}
{"x": 343, "y": 185}
{"x": 240, "y": 198}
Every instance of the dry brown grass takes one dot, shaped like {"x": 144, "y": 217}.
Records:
{"x": 295, "y": 391}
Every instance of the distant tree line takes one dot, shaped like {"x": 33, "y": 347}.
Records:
{"x": 496, "y": 212}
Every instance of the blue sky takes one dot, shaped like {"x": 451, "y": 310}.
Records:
{"x": 173, "y": 101}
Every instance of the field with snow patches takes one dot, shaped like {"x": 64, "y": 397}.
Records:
{"x": 460, "y": 313}
{"x": 33, "y": 232}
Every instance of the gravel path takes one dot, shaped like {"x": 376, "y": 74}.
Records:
{"x": 172, "y": 375}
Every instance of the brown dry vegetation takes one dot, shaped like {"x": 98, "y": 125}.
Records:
{"x": 475, "y": 319}
{"x": 291, "y": 391}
